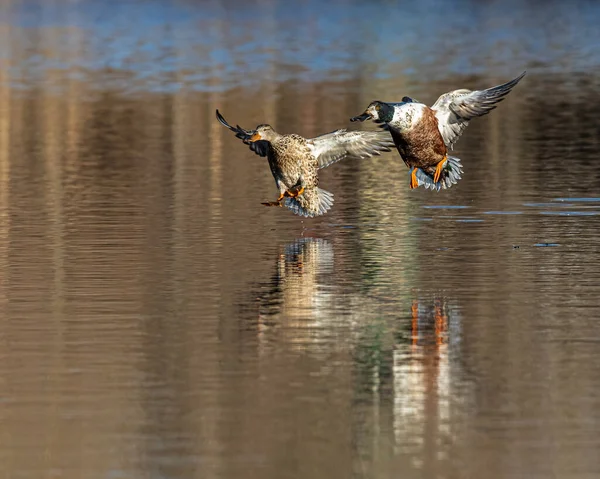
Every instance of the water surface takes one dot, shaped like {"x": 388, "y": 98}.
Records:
{"x": 157, "y": 321}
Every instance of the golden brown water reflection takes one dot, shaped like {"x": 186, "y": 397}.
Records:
{"x": 158, "y": 322}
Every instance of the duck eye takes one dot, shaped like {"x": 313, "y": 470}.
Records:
{"x": 378, "y": 107}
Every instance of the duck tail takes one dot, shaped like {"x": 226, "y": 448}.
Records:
{"x": 451, "y": 173}
{"x": 312, "y": 202}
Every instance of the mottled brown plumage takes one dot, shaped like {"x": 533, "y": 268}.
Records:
{"x": 294, "y": 166}
{"x": 295, "y": 161}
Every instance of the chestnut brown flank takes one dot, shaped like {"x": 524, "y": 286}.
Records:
{"x": 422, "y": 146}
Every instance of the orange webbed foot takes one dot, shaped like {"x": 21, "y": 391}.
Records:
{"x": 438, "y": 169}
{"x": 414, "y": 183}
{"x": 294, "y": 191}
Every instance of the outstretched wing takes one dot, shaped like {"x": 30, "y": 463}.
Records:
{"x": 260, "y": 147}
{"x": 453, "y": 110}
{"x": 340, "y": 144}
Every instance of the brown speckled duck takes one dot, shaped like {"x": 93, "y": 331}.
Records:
{"x": 295, "y": 161}
{"x": 423, "y": 135}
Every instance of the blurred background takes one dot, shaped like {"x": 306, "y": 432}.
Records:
{"x": 157, "y": 322}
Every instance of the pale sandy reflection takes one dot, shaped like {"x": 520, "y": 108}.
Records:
{"x": 298, "y": 287}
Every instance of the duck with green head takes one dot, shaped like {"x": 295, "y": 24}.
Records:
{"x": 423, "y": 134}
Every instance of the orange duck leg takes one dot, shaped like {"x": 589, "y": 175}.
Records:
{"x": 414, "y": 183}
{"x": 438, "y": 169}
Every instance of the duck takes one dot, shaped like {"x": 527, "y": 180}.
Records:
{"x": 423, "y": 135}
{"x": 295, "y": 161}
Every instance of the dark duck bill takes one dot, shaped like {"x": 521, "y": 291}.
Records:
{"x": 363, "y": 117}
{"x": 373, "y": 112}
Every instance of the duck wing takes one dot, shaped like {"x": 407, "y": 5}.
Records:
{"x": 340, "y": 144}
{"x": 454, "y": 109}
{"x": 260, "y": 147}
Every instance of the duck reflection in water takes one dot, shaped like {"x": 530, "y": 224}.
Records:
{"x": 294, "y": 303}
{"x": 429, "y": 323}
{"x": 426, "y": 371}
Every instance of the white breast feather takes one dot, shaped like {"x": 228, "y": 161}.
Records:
{"x": 408, "y": 114}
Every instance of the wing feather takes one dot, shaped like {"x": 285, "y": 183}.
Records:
{"x": 340, "y": 144}
{"x": 454, "y": 109}
{"x": 261, "y": 147}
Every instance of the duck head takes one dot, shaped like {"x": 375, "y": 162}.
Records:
{"x": 377, "y": 111}
{"x": 263, "y": 132}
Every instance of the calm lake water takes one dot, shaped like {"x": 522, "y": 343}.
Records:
{"x": 158, "y": 322}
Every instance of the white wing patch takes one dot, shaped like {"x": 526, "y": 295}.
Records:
{"x": 340, "y": 144}
{"x": 454, "y": 109}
